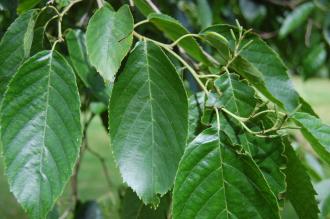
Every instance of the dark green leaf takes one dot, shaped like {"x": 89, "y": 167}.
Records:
{"x": 148, "y": 121}
{"x": 300, "y": 190}
{"x": 196, "y": 104}
{"x": 296, "y": 18}
{"x": 263, "y": 68}
{"x": 144, "y": 7}
{"x": 25, "y": 5}
{"x": 15, "y": 47}
{"x": 317, "y": 133}
{"x": 216, "y": 181}
{"x": 174, "y": 30}
{"x": 236, "y": 95}
{"x": 38, "y": 40}
{"x": 40, "y": 131}
{"x": 75, "y": 40}
{"x": 109, "y": 38}
{"x": 133, "y": 208}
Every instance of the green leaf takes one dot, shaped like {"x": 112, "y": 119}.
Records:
{"x": 314, "y": 60}
{"x": 317, "y": 133}
{"x": 133, "y": 208}
{"x": 75, "y": 40}
{"x": 266, "y": 152}
{"x": 300, "y": 190}
{"x": 144, "y": 7}
{"x": 174, "y": 30}
{"x": 195, "y": 108}
{"x": 38, "y": 40}
{"x": 25, "y": 5}
{"x": 215, "y": 180}
{"x": 218, "y": 41}
{"x": 263, "y": 68}
{"x": 204, "y": 13}
{"x": 148, "y": 116}
{"x": 296, "y": 18}
{"x": 236, "y": 95}
{"x": 88, "y": 210}
{"x": 40, "y": 131}
{"x": 109, "y": 38}
{"x": 15, "y": 47}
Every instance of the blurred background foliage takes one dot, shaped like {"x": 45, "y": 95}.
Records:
{"x": 298, "y": 30}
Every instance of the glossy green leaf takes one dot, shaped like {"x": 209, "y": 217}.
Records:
{"x": 296, "y": 18}
{"x": 75, "y": 40}
{"x": 263, "y": 68}
{"x": 109, "y": 38}
{"x": 174, "y": 30}
{"x": 25, "y": 5}
{"x": 15, "y": 47}
{"x": 317, "y": 133}
{"x": 204, "y": 13}
{"x": 40, "y": 131}
{"x": 300, "y": 190}
{"x": 148, "y": 116}
{"x": 133, "y": 208}
{"x": 266, "y": 152}
{"x": 236, "y": 95}
{"x": 215, "y": 180}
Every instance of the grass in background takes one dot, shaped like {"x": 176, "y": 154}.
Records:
{"x": 92, "y": 183}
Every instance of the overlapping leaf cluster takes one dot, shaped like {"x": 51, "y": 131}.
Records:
{"x": 224, "y": 152}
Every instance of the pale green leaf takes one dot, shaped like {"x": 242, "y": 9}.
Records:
{"x": 215, "y": 180}
{"x": 317, "y": 133}
{"x": 40, "y": 131}
{"x": 15, "y": 47}
{"x": 174, "y": 30}
{"x": 148, "y": 121}
{"x": 75, "y": 40}
{"x": 109, "y": 38}
{"x": 300, "y": 190}
{"x": 296, "y": 18}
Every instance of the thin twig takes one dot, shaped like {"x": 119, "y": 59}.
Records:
{"x": 153, "y": 6}
{"x": 103, "y": 163}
